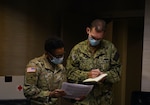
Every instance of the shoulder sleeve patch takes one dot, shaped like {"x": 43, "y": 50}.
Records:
{"x": 116, "y": 57}
{"x": 31, "y": 69}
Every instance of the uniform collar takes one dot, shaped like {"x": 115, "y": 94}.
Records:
{"x": 47, "y": 64}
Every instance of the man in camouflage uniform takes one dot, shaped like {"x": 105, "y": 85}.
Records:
{"x": 44, "y": 75}
{"x": 91, "y": 58}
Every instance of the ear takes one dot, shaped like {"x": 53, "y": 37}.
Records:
{"x": 87, "y": 30}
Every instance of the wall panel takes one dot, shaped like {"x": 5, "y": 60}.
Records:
{"x": 146, "y": 50}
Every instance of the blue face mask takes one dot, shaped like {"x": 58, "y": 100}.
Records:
{"x": 93, "y": 42}
{"x": 57, "y": 60}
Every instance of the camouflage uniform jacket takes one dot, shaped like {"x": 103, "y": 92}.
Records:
{"x": 41, "y": 78}
{"x": 106, "y": 59}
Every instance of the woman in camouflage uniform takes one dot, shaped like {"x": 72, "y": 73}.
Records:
{"x": 44, "y": 75}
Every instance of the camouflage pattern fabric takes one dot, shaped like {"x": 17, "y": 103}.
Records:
{"x": 106, "y": 59}
{"x": 41, "y": 78}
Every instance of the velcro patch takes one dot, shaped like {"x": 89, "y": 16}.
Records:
{"x": 31, "y": 69}
{"x": 116, "y": 57}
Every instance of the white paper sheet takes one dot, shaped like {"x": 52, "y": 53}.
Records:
{"x": 76, "y": 90}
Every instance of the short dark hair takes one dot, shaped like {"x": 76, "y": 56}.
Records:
{"x": 52, "y": 44}
{"x": 99, "y": 24}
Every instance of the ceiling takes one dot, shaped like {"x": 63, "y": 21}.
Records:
{"x": 85, "y": 6}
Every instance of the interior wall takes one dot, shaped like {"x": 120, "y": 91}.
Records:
{"x": 146, "y": 50}
{"x": 120, "y": 31}
{"x": 22, "y": 38}
{"x": 134, "y": 56}
{"x": 128, "y": 37}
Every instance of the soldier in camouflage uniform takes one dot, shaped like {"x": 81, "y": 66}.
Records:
{"x": 44, "y": 75}
{"x": 91, "y": 58}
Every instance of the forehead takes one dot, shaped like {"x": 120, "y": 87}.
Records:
{"x": 59, "y": 51}
{"x": 94, "y": 30}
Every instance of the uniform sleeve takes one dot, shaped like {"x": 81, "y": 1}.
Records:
{"x": 31, "y": 89}
{"x": 114, "y": 73}
{"x": 74, "y": 74}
